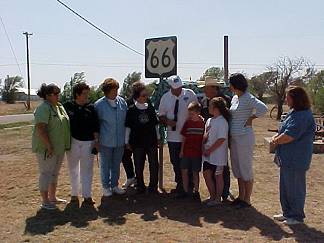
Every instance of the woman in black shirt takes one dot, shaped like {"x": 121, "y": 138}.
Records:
{"x": 142, "y": 137}
{"x": 84, "y": 127}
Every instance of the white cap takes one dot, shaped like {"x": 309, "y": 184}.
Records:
{"x": 175, "y": 82}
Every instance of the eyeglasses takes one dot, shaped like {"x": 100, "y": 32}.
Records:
{"x": 56, "y": 93}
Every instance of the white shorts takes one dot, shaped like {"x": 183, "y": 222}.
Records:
{"x": 242, "y": 156}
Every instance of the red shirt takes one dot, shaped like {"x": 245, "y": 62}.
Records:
{"x": 193, "y": 131}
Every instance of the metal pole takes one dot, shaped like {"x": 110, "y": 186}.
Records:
{"x": 226, "y": 59}
{"x": 28, "y": 72}
{"x": 161, "y": 156}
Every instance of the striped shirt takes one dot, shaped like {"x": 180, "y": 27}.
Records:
{"x": 242, "y": 108}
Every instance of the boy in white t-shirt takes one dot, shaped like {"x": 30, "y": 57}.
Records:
{"x": 215, "y": 149}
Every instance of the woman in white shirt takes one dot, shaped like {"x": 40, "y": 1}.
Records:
{"x": 244, "y": 109}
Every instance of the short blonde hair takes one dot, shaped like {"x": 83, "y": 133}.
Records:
{"x": 108, "y": 84}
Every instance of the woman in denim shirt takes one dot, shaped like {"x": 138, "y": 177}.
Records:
{"x": 294, "y": 154}
{"x": 111, "y": 111}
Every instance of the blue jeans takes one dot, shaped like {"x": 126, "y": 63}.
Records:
{"x": 110, "y": 158}
{"x": 293, "y": 193}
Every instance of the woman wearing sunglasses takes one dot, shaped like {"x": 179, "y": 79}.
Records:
{"x": 142, "y": 137}
{"x": 50, "y": 140}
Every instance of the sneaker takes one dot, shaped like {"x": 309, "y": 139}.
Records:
{"x": 243, "y": 204}
{"x": 196, "y": 196}
{"x": 279, "y": 217}
{"x": 48, "y": 206}
{"x": 236, "y": 201}
{"x": 129, "y": 182}
{"x": 118, "y": 191}
{"x": 88, "y": 202}
{"x": 106, "y": 192}
{"x": 290, "y": 221}
{"x": 213, "y": 203}
{"x": 59, "y": 201}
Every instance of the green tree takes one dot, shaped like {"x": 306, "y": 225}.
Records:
{"x": 95, "y": 94}
{"x": 9, "y": 88}
{"x": 283, "y": 73}
{"x": 126, "y": 90}
{"x": 319, "y": 100}
{"x": 215, "y": 72}
{"x": 66, "y": 94}
{"x": 315, "y": 85}
{"x": 258, "y": 84}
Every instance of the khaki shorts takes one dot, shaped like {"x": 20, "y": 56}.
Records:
{"x": 242, "y": 156}
{"x": 49, "y": 169}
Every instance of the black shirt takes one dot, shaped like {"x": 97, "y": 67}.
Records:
{"x": 142, "y": 124}
{"x": 83, "y": 121}
{"x": 205, "y": 103}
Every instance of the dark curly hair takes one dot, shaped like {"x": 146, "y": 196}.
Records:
{"x": 137, "y": 89}
{"x": 299, "y": 97}
{"x": 78, "y": 88}
{"x": 47, "y": 89}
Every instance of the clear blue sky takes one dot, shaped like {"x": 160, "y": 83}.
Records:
{"x": 259, "y": 32}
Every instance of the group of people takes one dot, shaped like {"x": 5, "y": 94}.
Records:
{"x": 199, "y": 135}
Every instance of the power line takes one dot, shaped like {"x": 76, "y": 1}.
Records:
{"x": 11, "y": 47}
{"x": 99, "y": 29}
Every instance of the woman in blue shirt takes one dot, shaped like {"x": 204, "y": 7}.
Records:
{"x": 111, "y": 110}
{"x": 294, "y": 154}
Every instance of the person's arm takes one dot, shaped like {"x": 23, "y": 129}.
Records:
{"x": 282, "y": 139}
{"x": 215, "y": 146}
{"x": 127, "y": 133}
{"x": 182, "y": 146}
{"x": 43, "y": 135}
{"x": 260, "y": 110}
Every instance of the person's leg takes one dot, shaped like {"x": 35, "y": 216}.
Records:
{"x": 105, "y": 157}
{"x": 57, "y": 161}
{"x": 185, "y": 180}
{"x": 283, "y": 193}
{"x": 227, "y": 182}
{"x": 139, "y": 159}
{"x": 241, "y": 186}
{"x": 152, "y": 156}
{"x": 248, "y": 191}
{"x": 219, "y": 182}
{"x": 44, "y": 174}
{"x": 86, "y": 168}
{"x": 128, "y": 164}
{"x": 209, "y": 180}
{"x": 73, "y": 158}
{"x": 115, "y": 169}
{"x": 195, "y": 177}
{"x": 296, "y": 193}
{"x": 174, "y": 151}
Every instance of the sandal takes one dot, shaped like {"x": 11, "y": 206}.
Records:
{"x": 59, "y": 201}
{"x": 48, "y": 206}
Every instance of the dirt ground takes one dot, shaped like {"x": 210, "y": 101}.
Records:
{"x": 17, "y": 108}
{"x": 149, "y": 218}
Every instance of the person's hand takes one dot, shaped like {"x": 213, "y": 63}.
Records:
{"x": 181, "y": 154}
{"x": 248, "y": 123}
{"x": 129, "y": 147}
{"x": 171, "y": 123}
{"x": 49, "y": 151}
{"x": 160, "y": 143}
{"x": 96, "y": 145}
{"x": 206, "y": 152}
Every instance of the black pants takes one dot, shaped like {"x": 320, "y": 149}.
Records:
{"x": 227, "y": 182}
{"x": 128, "y": 164}
{"x": 139, "y": 159}
{"x": 174, "y": 151}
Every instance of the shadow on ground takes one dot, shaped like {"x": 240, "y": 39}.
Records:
{"x": 114, "y": 210}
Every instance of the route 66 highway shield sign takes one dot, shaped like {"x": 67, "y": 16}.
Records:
{"x": 161, "y": 57}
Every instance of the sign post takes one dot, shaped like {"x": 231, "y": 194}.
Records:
{"x": 161, "y": 62}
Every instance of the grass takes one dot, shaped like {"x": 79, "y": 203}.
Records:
{"x": 15, "y": 124}
{"x": 17, "y": 108}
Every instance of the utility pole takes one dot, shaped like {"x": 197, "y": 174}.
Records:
{"x": 226, "y": 59}
{"x": 28, "y": 73}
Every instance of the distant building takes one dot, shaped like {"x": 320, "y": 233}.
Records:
{"x": 22, "y": 93}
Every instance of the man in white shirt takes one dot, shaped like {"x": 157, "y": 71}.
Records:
{"x": 173, "y": 112}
